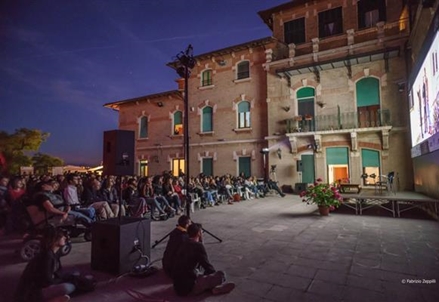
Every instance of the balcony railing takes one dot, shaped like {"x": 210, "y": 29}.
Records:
{"x": 345, "y": 120}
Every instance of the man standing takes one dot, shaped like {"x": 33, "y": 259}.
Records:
{"x": 176, "y": 238}
{"x": 185, "y": 269}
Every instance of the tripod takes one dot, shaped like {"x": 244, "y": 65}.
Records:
{"x": 186, "y": 62}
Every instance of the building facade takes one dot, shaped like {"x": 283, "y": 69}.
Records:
{"x": 325, "y": 94}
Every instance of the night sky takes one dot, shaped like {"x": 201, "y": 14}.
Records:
{"x": 61, "y": 60}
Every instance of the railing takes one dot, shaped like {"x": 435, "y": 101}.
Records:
{"x": 362, "y": 35}
{"x": 342, "y": 120}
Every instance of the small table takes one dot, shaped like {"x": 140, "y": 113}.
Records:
{"x": 350, "y": 188}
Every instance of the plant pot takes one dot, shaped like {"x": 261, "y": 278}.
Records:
{"x": 324, "y": 210}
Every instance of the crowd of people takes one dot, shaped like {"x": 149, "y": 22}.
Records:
{"x": 48, "y": 200}
{"x": 90, "y": 197}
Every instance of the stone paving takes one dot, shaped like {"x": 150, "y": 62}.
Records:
{"x": 280, "y": 249}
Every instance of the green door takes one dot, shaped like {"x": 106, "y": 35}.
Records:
{"x": 308, "y": 175}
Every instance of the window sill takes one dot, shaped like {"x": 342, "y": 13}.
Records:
{"x": 143, "y": 138}
{"x": 243, "y": 129}
{"x": 209, "y": 133}
{"x": 242, "y": 80}
{"x": 176, "y": 136}
{"x": 206, "y": 87}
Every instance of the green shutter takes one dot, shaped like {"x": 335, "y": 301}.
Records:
{"x": 207, "y": 119}
{"x": 368, "y": 92}
{"x": 306, "y": 92}
{"x": 208, "y": 166}
{"x": 143, "y": 127}
{"x": 244, "y": 107}
{"x": 370, "y": 158}
{"x": 244, "y": 166}
{"x": 337, "y": 156}
{"x": 177, "y": 118}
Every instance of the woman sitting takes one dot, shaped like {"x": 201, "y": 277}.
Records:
{"x": 42, "y": 279}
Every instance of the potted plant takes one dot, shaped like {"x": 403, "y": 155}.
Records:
{"x": 325, "y": 196}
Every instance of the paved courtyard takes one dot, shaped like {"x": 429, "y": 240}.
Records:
{"x": 280, "y": 249}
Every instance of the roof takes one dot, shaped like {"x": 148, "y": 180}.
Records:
{"x": 228, "y": 50}
{"x": 116, "y": 105}
{"x": 266, "y": 14}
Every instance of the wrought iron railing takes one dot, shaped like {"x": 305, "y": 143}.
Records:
{"x": 339, "y": 121}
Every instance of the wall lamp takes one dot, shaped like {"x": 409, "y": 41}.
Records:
{"x": 315, "y": 146}
{"x": 160, "y": 104}
{"x": 279, "y": 153}
{"x": 401, "y": 87}
{"x": 264, "y": 150}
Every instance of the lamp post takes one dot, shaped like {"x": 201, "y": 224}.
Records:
{"x": 264, "y": 152}
{"x": 187, "y": 62}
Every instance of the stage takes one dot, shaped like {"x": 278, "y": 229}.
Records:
{"x": 394, "y": 202}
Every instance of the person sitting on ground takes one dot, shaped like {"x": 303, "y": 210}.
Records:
{"x": 191, "y": 255}
{"x": 176, "y": 238}
{"x": 42, "y": 279}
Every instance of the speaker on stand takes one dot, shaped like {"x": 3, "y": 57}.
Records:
{"x": 118, "y": 244}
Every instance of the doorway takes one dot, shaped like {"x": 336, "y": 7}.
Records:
{"x": 308, "y": 168}
{"x": 338, "y": 173}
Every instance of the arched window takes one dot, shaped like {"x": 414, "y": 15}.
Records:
{"x": 206, "y": 78}
{"x": 143, "y": 127}
{"x": 207, "y": 119}
{"x": 178, "y": 123}
{"x": 243, "y": 70}
{"x": 244, "y": 115}
{"x": 368, "y": 102}
{"x": 306, "y": 107}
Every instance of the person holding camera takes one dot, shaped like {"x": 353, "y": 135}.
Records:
{"x": 187, "y": 277}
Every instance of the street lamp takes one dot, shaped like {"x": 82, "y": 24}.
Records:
{"x": 186, "y": 62}
{"x": 264, "y": 152}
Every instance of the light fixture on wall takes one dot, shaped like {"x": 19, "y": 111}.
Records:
{"x": 160, "y": 104}
{"x": 321, "y": 104}
{"x": 315, "y": 146}
{"x": 286, "y": 108}
{"x": 401, "y": 87}
{"x": 279, "y": 153}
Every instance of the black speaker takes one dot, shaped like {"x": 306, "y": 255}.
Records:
{"x": 299, "y": 166}
{"x": 118, "y": 155}
{"x": 113, "y": 244}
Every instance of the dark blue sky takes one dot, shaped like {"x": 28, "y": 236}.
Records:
{"x": 61, "y": 60}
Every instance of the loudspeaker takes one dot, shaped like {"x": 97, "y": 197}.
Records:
{"x": 118, "y": 155}
{"x": 299, "y": 166}
{"x": 299, "y": 187}
{"x": 113, "y": 244}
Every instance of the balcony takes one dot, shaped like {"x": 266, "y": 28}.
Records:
{"x": 340, "y": 121}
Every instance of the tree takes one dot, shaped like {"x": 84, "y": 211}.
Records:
{"x": 15, "y": 146}
{"x": 43, "y": 162}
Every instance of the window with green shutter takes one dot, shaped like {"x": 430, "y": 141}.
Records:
{"x": 206, "y": 78}
{"x": 337, "y": 156}
{"x": 368, "y": 92}
{"x": 207, "y": 167}
{"x": 178, "y": 123}
{"x": 371, "y": 166}
{"x": 143, "y": 127}
{"x": 244, "y": 115}
{"x": 207, "y": 120}
{"x": 244, "y": 166}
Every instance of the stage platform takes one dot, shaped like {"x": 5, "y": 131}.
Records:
{"x": 394, "y": 202}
